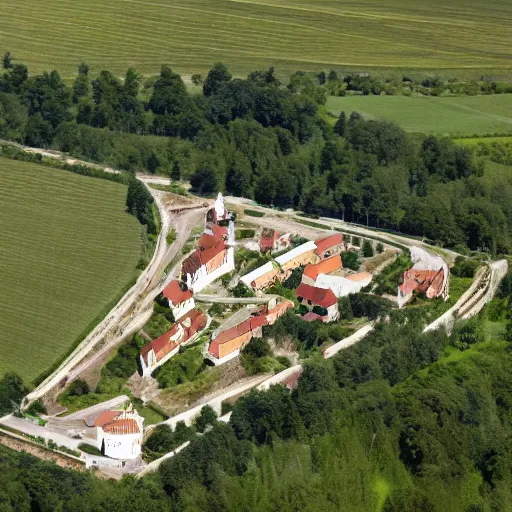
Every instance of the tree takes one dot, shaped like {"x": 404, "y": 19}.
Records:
{"x": 379, "y": 247}
{"x": 350, "y": 259}
{"x": 78, "y": 387}
{"x": 12, "y": 391}
{"x": 218, "y": 75}
{"x": 81, "y": 87}
{"x": 341, "y": 124}
{"x": 206, "y": 418}
{"x": 197, "y": 79}
{"x": 7, "y": 60}
{"x": 138, "y": 203}
{"x": 367, "y": 248}
{"x": 176, "y": 170}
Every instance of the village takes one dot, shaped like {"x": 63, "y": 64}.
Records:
{"x": 227, "y": 293}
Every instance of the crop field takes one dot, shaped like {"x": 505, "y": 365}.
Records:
{"x": 466, "y": 115}
{"x": 190, "y": 35}
{"x": 67, "y": 250}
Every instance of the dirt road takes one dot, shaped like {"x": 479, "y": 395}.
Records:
{"x": 134, "y": 308}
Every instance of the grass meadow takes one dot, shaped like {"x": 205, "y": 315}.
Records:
{"x": 462, "y": 115}
{"x": 460, "y": 36}
{"x": 67, "y": 250}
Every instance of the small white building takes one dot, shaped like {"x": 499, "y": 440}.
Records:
{"x": 119, "y": 433}
{"x": 181, "y": 299}
{"x": 343, "y": 286}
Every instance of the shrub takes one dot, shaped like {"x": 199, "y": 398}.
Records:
{"x": 205, "y": 419}
{"x": 241, "y": 291}
{"x": 254, "y": 213}
{"x": 350, "y": 260}
{"x": 370, "y": 306}
{"x": 78, "y": 387}
{"x": 87, "y": 448}
{"x": 356, "y": 241}
{"x": 464, "y": 267}
{"x": 379, "y": 248}
{"x": 37, "y": 408}
{"x": 171, "y": 236}
{"x": 245, "y": 233}
{"x": 367, "y": 249}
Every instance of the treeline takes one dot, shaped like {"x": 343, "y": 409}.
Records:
{"x": 337, "y": 84}
{"x": 255, "y": 138}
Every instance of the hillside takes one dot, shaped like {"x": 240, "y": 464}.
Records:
{"x": 67, "y": 251}
{"x": 291, "y": 34}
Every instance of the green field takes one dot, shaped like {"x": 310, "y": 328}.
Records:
{"x": 460, "y": 35}
{"x": 465, "y": 115}
{"x": 67, "y": 250}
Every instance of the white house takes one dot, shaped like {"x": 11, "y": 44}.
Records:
{"x": 119, "y": 433}
{"x": 343, "y": 286}
{"x": 181, "y": 299}
{"x": 160, "y": 350}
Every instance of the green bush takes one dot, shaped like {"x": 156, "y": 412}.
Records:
{"x": 206, "y": 418}
{"x": 370, "y": 306}
{"x": 254, "y": 213}
{"x": 350, "y": 260}
{"x": 241, "y": 291}
{"x": 171, "y": 236}
{"x": 380, "y": 247}
{"x": 464, "y": 267}
{"x": 91, "y": 450}
{"x": 367, "y": 249}
{"x": 245, "y": 233}
{"x": 78, "y": 387}
{"x": 183, "y": 367}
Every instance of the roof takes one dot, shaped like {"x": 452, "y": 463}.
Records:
{"x": 267, "y": 238}
{"x": 122, "y": 427}
{"x": 260, "y": 271}
{"x": 297, "y": 251}
{"x": 219, "y": 231}
{"x": 191, "y": 323}
{"x": 321, "y": 296}
{"x": 322, "y": 244}
{"x": 228, "y": 335}
{"x": 417, "y": 279}
{"x": 359, "y": 277}
{"x": 209, "y": 247}
{"x": 105, "y": 417}
{"x": 323, "y": 267}
{"x": 177, "y": 292}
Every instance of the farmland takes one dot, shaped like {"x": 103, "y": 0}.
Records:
{"x": 67, "y": 250}
{"x": 460, "y": 37}
{"x": 467, "y": 115}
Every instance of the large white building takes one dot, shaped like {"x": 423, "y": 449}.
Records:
{"x": 119, "y": 433}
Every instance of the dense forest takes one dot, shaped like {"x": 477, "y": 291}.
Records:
{"x": 257, "y": 138}
{"x": 399, "y": 422}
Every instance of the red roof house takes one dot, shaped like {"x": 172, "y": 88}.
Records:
{"x": 153, "y": 354}
{"x": 326, "y": 247}
{"x": 312, "y": 296}
{"x": 326, "y": 266}
{"x": 177, "y": 292}
{"x": 268, "y": 239}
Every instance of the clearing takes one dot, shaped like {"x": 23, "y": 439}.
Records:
{"x": 462, "y": 36}
{"x": 462, "y": 115}
{"x": 68, "y": 250}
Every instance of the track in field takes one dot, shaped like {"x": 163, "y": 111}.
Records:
{"x": 247, "y": 34}
{"x": 67, "y": 250}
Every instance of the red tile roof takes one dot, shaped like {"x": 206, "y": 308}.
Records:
{"x": 191, "y": 323}
{"x": 322, "y": 244}
{"x": 311, "y": 317}
{"x": 122, "y": 427}
{"x": 323, "y": 267}
{"x": 177, "y": 292}
{"x": 417, "y": 279}
{"x": 209, "y": 247}
{"x": 105, "y": 417}
{"x": 319, "y": 296}
{"x": 267, "y": 239}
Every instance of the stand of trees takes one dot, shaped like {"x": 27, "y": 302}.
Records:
{"x": 254, "y": 138}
